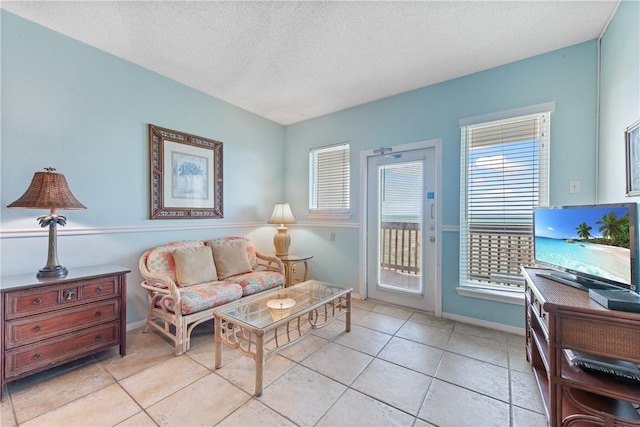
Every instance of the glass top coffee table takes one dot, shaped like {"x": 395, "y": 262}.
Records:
{"x": 261, "y": 325}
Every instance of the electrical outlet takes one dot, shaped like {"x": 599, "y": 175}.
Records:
{"x": 332, "y": 236}
{"x": 574, "y": 187}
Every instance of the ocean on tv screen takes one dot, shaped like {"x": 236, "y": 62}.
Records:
{"x": 608, "y": 262}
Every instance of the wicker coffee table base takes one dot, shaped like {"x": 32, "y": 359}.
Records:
{"x": 262, "y": 343}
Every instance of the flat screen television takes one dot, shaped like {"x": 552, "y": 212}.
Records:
{"x": 588, "y": 246}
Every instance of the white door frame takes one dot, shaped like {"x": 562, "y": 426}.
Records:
{"x": 364, "y": 155}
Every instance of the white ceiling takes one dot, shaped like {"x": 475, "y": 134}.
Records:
{"x": 293, "y": 60}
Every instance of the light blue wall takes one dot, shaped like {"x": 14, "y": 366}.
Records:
{"x": 619, "y": 98}
{"x": 566, "y": 76}
{"x": 85, "y": 112}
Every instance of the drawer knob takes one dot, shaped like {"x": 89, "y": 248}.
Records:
{"x": 37, "y": 356}
{"x": 69, "y": 293}
{"x": 37, "y": 301}
{"x": 98, "y": 313}
{"x": 36, "y": 328}
{"x": 99, "y": 289}
{"x": 98, "y": 337}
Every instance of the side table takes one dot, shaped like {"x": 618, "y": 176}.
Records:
{"x": 289, "y": 261}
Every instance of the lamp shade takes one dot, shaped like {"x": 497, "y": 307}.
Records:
{"x": 282, "y": 214}
{"x": 48, "y": 190}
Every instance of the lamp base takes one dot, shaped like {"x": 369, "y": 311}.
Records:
{"x": 57, "y": 271}
{"x": 281, "y": 241}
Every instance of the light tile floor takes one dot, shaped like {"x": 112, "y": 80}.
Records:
{"x": 395, "y": 367}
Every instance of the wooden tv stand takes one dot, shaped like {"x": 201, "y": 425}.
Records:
{"x": 559, "y": 317}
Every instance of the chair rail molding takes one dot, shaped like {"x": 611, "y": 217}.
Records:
{"x": 85, "y": 231}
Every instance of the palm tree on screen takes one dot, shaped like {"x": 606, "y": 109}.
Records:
{"x": 583, "y": 231}
{"x": 614, "y": 229}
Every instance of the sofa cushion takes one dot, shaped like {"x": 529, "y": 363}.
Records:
{"x": 257, "y": 281}
{"x": 230, "y": 258}
{"x": 207, "y": 295}
{"x": 160, "y": 259}
{"x": 194, "y": 265}
{"x": 251, "y": 250}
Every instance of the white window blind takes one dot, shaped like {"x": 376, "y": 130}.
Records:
{"x": 329, "y": 180}
{"x": 401, "y": 192}
{"x": 504, "y": 174}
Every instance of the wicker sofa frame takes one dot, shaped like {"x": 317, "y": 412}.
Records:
{"x": 165, "y": 312}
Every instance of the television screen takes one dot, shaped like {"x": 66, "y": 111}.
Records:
{"x": 592, "y": 243}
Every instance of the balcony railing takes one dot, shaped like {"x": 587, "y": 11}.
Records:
{"x": 495, "y": 254}
{"x": 400, "y": 246}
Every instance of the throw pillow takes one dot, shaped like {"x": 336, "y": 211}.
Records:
{"x": 251, "y": 250}
{"x": 194, "y": 265}
{"x": 230, "y": 258}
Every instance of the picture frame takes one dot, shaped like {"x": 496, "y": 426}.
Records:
{"x": 632, "y": 149}
{"x": 186, "y": 175}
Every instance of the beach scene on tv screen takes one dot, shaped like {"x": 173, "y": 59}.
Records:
{"x": 591, "y": 240}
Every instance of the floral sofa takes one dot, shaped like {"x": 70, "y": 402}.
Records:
{"x": 186, "y": 280}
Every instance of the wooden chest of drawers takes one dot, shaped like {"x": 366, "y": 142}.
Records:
{"x": 49, "y": 322}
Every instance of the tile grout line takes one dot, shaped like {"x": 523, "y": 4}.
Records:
{"x": 374, "y": 357}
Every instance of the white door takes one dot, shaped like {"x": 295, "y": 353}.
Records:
{"x": 401, "y": 228}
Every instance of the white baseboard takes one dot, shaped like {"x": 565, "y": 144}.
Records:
{"x": 136, "y": 325}
{"x": 484, "y": 323}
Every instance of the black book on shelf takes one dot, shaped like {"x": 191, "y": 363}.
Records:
{"x": 618, "y": 299}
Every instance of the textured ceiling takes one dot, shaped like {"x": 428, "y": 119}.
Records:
{"x": 293, "y": 60}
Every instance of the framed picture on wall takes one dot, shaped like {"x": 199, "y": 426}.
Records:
{"x": 186, "y": 175}
{"x": 632, "y": 144}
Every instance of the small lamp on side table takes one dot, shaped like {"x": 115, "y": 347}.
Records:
{"x": 282, "y": 215}
{"x": 49, "y": 190}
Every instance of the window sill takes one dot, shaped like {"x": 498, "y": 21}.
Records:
{"x": 509, "y": 297}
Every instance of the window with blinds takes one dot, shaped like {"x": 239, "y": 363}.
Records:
{"x": 504, "y": 174}
{"x": 329, "y": 180}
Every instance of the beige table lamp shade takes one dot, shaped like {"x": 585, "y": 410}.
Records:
{"x": 282, "y": 215}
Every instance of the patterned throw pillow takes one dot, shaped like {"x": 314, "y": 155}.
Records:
{"x": 160, "y": 260}
{"x": 230, "y": 258}
{"x": 194, "y": 265}
{"x": 251, "y": 250}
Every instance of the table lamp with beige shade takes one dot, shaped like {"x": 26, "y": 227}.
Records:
{"x": 282, "y": 215}
{"x": 49, "y": 190}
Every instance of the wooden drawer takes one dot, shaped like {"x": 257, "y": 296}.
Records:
{"x": 45, "y": 354}
{"x": 599, "y": 336}
{"x": 35, "y": 328}
{"x": 46, "y": 298}
{"x": 535, "y": 310}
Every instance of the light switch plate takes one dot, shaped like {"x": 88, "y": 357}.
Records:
{"x": 574, "y": 187}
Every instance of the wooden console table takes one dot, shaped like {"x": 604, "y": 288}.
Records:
{"x": 48, "y": 322}
{"x": 560, "y": 317}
